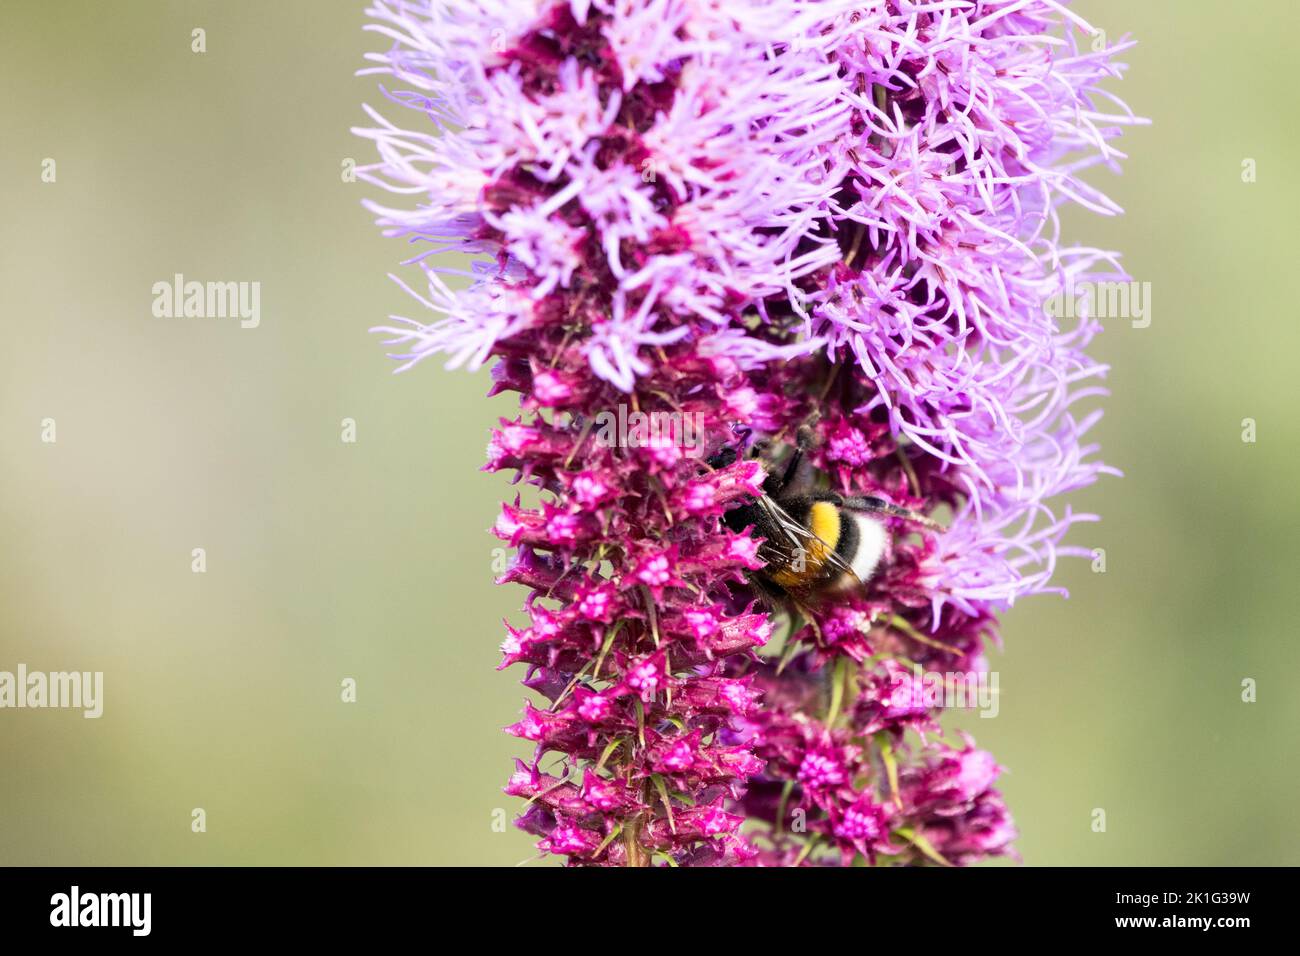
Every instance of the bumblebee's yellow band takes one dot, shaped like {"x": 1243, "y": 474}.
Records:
{"x": 824, "y": 522}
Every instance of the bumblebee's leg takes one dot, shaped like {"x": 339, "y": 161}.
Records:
{"x": 869, "y": 504}
{"x": 797, "y": 478}
{"x": 809, "y": 617}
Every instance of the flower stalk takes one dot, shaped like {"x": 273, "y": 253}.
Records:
{"x": 766, "y": 219}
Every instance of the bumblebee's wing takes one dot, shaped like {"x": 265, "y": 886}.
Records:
{"x": 796, "y": 539}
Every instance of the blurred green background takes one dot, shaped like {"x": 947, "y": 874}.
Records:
{"x": 371, "y": 560}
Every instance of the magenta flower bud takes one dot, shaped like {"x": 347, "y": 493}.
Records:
{"x": 604, "y": 795}
{"x": 820, "y": 771}
{"x": 984, "y": 829}
{"x": 646, "y": 677}
{"x": 893, "y": 697}
{"x": 862, "y": 827}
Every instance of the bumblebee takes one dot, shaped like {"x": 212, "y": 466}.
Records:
{"x": 816, "y": 544}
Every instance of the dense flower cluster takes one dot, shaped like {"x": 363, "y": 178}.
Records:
{"x": 719, "y": 222}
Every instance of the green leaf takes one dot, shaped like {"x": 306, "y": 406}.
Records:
{"x": 609, "y": 642}
{"x": 780, "y": 807}
{"x": 807, "y": 848}
{"x": 837, "y": 689}
{"x": 891, "y": 766}
{"x": 658, "y": 781}
{"x": 791, "y": 647}
{"x": 901, "y": 624}
{"x": 612, "y": 746}
{"x": 640, "y": 719}
{"x": 922, "y": 844}
{"x": 610, "y": 838}
{"x": 541, "y": 793}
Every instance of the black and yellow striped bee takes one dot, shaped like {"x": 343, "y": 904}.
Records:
{"x": 817, "y": 544}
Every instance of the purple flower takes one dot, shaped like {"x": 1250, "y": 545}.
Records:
{"x": 750, "y": 217}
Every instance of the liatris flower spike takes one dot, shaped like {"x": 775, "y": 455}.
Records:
{"x": 707, "y": 238}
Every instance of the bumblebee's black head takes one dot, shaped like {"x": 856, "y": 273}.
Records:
{"x": 727, "y": 455}
{"x": 733, "y": 450}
